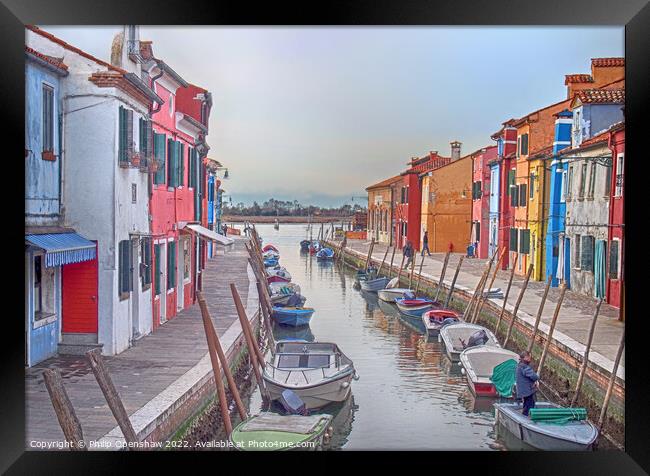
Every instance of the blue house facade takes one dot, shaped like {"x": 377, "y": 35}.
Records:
{"x": 49, "y": 245}
{"x": 558, "y": 246}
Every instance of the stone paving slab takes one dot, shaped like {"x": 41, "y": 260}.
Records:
{"x": 176, "y": 351}
{"x": 575, "y": 315}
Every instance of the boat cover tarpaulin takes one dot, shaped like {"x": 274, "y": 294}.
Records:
{"x": 288, "y": 423}
{"x": 503, "y": 377}
{"x": 557, "y": 416}
{"x": 209, "y": 234}
{"x": 63, "y": 248}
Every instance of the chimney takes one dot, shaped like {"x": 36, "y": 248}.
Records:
{"x": 455, "y": 150}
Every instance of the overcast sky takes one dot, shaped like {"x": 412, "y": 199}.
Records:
{"x": 318, "y": 114}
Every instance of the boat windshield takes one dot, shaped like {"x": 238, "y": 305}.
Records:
{"x": 310, "y": 361}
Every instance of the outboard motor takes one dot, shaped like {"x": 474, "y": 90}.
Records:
{"x": 296, "y": 300}
{"x": 292, "y": 403}
{"x": 448, "y": 320}
{"x": 478, "y": 338}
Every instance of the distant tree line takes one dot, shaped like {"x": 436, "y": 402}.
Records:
{"x": 273, "y": 207}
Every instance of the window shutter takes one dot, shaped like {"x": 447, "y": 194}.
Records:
{"x": 159, "y": 156}
{"x": 587, "y": 253}
{"x": 147, "y": 260}
{"x": 122, "y": 135}
{"x": 149, "y": 138}
{"x": 514, "y": 198}
{"x": 524, "y": 241}
{"x": 157, "y": 276}
{"x": 524, "y": 144}
{"x": 191, "y": 168}
{"x": 522, "y": 195}
{"x": 181, "y": 164}
{"x": 170, "y": 162}
{"x": 613, "y": 259}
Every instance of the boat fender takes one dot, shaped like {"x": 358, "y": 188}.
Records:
{"x": 345, "y": 384}
{"x": 462, "y": 370}
{"x": 439, "y": 338}
{"x": 355, "y": 376}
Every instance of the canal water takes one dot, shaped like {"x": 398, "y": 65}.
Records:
{"x": 408, "y": 397}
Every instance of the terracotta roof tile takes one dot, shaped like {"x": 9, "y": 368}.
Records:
{"x": 602, "y": 137}
{"x": 578, "y": 78}
{"x": 74, "y": 49}
{"x": 544, "y": 151}
{"x": 385, "y": 183}
{"x": 607, "y": 62}
{"x": 609, "y": 96}
{"x": 58, "y": 62}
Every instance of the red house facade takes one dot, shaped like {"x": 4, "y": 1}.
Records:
{"x": 506, "y": 139}
{"x": 176, "y": 190}
{"x": 616, "y": 259}
{"x": 408, "y": 198}
{"x": 481, "y": 199}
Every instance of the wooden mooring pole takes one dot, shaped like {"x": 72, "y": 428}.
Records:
{"x": 399, "y": 273}
{"x": 392, "y": 257}
{"x": 216, "y": 370}
{"x": 417, "y": 286}
{"x": 612, "y": 380}
{"x": 585, "y": 359}
{"x": 505, "y": 296}
{"x": 442, "y": 274}
{"x": 112, "y": 397}
{"x": 412, "y": 272}
{"x": 369, "y": 258}
{"x": 483, "y": 297}
{"x": 64, "y": 410}
{"x": 514, "y": 312}
{"x": 551, "y": 329}
{"x": 382, "y": 262}
{"x": 470, "y": 305}
{"x": 453, "y": 282}
{"x": 539, "y": 314}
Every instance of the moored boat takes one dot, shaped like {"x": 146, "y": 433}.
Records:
{"x": 458, "y": 337}
{"x": 271, "y": 431}
{"x": 436, "y": 319}
{"x": 292, "y": 316}
{"x": 325, "y": 254}
{"x": 479, "y": 363}
{"x": 414, "y": 307}
{"x": 270, "y": 247}
{"x": 571, "y": 435}
{"x": 270, "y": 262}
{"x": 270, "y": 254}
{"x": 390, "y": 294}
{"x": 318, "y": 372}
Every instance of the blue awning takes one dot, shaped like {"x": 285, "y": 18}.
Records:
{"x": 63, "y": 248}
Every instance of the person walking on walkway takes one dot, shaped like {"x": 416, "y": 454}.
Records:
{"x": 527, "y": 382}
{"x": 425, "y": 243}
{"x": 408, "y": 253}
{"x": 225, "y": 229}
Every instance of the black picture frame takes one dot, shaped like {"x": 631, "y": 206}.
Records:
{"x": 634, "y": 14}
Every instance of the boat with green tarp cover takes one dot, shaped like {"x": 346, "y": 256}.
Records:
{"x": 550, "y": 426}
{"x": 273, "y": 432}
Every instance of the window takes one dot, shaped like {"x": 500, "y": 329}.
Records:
{"x": 592, "y": 180}
{"x": 511, "y": 180}
{"x": 613, "y": 259}
{"x": 587, "y": 253}
{"x": 524, "y": 241}
{"x": 171, "y": 265}
{"x": 406, "y": 194}
{"x": 514, "y": 197}
{"x": 563, "y": 186}
{"x": 145, "y": 265}
{"x": 181, "y": 164}
{"x": 159, "y": 156}
{"x": 125, "y": 149}
{"x": 476, "y": 190}
{"x": 48, "y": 118}
{"x": 583, "y": 180}
{"x": 518, "y": 146}
{"x": 532, "y": 185}
{"x": 191, "y": 152}
{"x": 186, "y": 258}
{"x": 171, "y": 105}
{"x": 608, "y": 179}
{"x": 513, "y": 239}
{"x": 522, "y": 195}
{"x": 620, "y": 168}
{"x": 175, "y": 163}
{"x": 156, "y": 252}
{"x": 125, "y": 268}
{"x": 576, "y": 256}
{"x": 38, "y": 290}
{"x": 524, "y": 144}
{"x": 569, "y": 185}
{"x": 146, "y": 137}
{"x": 134, "y": 193}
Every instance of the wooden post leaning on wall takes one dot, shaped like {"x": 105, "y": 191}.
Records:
{"x": 112, "y": 397}
{"x": 551, "y": 329}
{"x": 382, "y": 262}
{"x": 392, "y": 257}
{"x": 64, "y": 410}
{"x": 253, "y": 348}
{"x": 453, "y": 282}
{"x": 412, "y": 270}
{"x": 539, "y": 315}
{"x": 369, "y": 258}
{"x": 505, "y": 296}
{"x": 514, "y": 312}
{"x": 484, "y": 296}
{"x": 442, "y": 274}
{"x": 417, "y": 285}
{"x": 585, "y": 359}
{"x": 214, "y": 347}
{"x": 399, "y": 273}
{"x": 470, "y": 305}
{"x": 612, "y": 380}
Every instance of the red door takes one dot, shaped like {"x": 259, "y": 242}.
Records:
{"x": 80, "y": 297}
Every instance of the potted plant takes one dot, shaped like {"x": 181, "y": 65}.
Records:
{"x": 135, "y": 159}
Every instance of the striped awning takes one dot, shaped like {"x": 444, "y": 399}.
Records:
{"x": 63, "y": 248}
{"x": 210, "y": 235}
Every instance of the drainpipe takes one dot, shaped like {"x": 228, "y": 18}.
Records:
{"x": 61, "y": 175}
{"x": 153, "y": 80}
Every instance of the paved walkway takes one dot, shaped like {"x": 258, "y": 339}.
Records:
{"x": 152, "y": 366}
{"x": 574, "y": 320}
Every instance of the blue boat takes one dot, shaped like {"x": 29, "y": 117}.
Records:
{"x": 292, "y": 316}
{"x": 271, "y": 262}
{"x": 414, "y": 307}
{"x": 325, "y": 254}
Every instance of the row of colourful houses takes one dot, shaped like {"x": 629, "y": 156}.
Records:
{"x": 121, "y": 197}
{"x": 549, "y": 192}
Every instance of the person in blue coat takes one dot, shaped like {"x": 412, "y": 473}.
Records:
{"x": 527, "y": 382}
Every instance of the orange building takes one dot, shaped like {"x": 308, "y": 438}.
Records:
{"x": 447, "y": 205}
{"x": 603, "y": 72}
{"x": 380, "y": 210}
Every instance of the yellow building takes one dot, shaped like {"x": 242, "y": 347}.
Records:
{"x": 380, "y": 210}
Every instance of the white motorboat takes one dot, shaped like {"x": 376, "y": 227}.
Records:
{"x": 318, "y": 372}
{"x": 458, "y": 337}
{"x": 478, "y": 365}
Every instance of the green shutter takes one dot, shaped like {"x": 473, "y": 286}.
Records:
{"x": 170, "y": 161}
{"x": 181, "y": 163}
{"x": 171, "y": 264}
{"x": 159, "y": 154}
{"x": 191, "y": 168}
{"x": 157, "y": 276}
{"x": 122, "y": 135}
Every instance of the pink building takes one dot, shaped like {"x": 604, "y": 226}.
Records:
{"x": 481, "y": 199}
